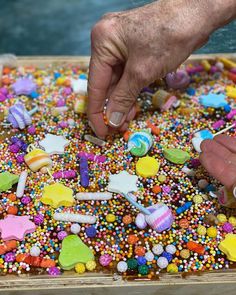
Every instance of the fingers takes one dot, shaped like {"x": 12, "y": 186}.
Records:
{"x": 100, "y": 74}
{"x": 122, "y": 100}
{"x": 218, "y": 168}
{"x": 227, "y": 141}
{"x": 212, "y": 146}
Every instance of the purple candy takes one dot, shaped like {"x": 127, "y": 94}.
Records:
{"x": 24, "y": 86}
{"x": 195, "y": 163}
{"x": 25, "y": 200}
{"x": 38, "y": 219}
{"x": 20, "y": 159}
{"x": 31, "y": 130}
{"x": 63, "y": 124}
{"x": 14, "y": 148}
{"x": 61, "y": 235}
{"x": 3, "y": 91}
{"x": 105, "y": 259}
{"x": 83, "y": 168}
{"x": 67, "y": 91}
{"x": 10, "y": 257}
{"x": 178, "y": 80}
{"x": 227, "y": 227}
{"x": 18, "y": 116}
{"x": 2, "y": 97}
{"x": 54, "y": 271}
{"x": 61, "y": 103}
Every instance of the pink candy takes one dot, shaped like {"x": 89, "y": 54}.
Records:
{"x": 92, "y": 157}
{"x": 105, "y": 259}
{"x": 69, "y": 174}
{"x": 218, "y": 124}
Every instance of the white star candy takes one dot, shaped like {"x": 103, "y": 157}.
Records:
{"x": 54, "y": 144}
{"x": 122, "y": 183}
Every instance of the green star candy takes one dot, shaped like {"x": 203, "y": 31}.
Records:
{"x": 7, "y": 180}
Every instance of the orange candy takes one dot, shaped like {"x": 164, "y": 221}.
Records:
{"x": 132, "y": 239}
{"x": 6, "y": 71}
{"x": 126, "y": 135}
{"x": 156, "y": 189}
{"x": 140, "y": 251}
{"x": 184, "y": 223}
{"x": 195, "y": 247}
{"x": 12, "y": 210}
{"x": 12, "y": 197}
{"x": 8, "y": 246}
{"x": 127, "y": 219}
{"x": 6, "y": 81}
{"x": 232, "y": 77}
{"x": 155, "y": 130}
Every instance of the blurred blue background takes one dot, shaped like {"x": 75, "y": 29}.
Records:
{"x": 62, "y": 27}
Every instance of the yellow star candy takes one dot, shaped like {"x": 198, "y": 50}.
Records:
{"x": 57, "y": 195}
{"x": 228, "y": 246}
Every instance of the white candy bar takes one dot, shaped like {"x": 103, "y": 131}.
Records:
{"x": 79, "y": 218}
{"x": 21, "y": 184}
{"x": 93, "y": 196}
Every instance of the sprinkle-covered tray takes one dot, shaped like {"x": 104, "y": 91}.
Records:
{"x": 134, "y": 211}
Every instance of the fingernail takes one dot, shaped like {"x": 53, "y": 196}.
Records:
{"x": 116, "y": 118}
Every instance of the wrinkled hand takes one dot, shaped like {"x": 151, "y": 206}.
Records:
{"x": 219, "y": 158}
{"x": 132, "y": 49}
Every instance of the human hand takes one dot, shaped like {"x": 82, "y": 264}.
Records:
{"x": 131, "y": 49}
{"x": 219, "y": 159}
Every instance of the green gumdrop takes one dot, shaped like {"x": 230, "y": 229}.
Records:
{"x": 143, "y": 270}
{"x": 132, "y": 263}
{"x": 74, "y": 251}
{"x": 7, "y": 180}
{"x": 176, "y": 156}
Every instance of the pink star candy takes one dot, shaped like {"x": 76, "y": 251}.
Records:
{"x": 16, "y": 227}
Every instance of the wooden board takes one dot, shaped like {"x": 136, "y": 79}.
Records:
{"x": 211, "y": 283}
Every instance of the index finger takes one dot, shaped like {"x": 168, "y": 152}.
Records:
{"x": 100, "y": 74}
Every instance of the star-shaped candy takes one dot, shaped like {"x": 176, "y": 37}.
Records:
{"x": 57, "y": 195}
{"x": 213, "y": 100}
{"x": 24, "y": 86}
{"x": 228, "y": 246}
{"x": 16, "y": 227}
{"x": 7, "y": 180}
{"x": 122, "y": 183}
{"x": 54, "y": 144}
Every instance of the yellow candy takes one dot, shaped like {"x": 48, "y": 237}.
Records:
{"x": 80, "y": 105}
{"x": 228, "y": 246}
{"x": 221, "y": 218}
{"x": 185, "y": 253}
{"x": 232, "y": 220}
{"x": 161, "y": 178}
{"x": 91, "y": 265}
{"x": 57, "y": 195}
{"x": 229, "y": 64}
{"x": 110, "y": 218}
{"x": 80, "y": 268}
{"x": 197, "y": 199}
{"x": 147, "y": 166}
{"x": 172, "y": 268}
{"x": 206, "y": 65}
{"x": 231, "y": 92}
{"x": 201, "y": 230}
{"x": 60, "y": 80}
{"x": 212, "y": 232}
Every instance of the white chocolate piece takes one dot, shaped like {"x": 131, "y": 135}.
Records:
{"x": 95, "y": 140}
{"x": 79, "y": 86}
{"x": 93, "y": 196}
{"x": 21, "y": 184}
{"x": 71, "y": 217}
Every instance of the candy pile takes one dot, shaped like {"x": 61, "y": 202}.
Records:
{"x": 136, "y": 204}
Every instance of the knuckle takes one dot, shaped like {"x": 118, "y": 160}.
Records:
{"x": 124, "y": 100}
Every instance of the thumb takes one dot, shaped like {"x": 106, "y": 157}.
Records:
{"x": 122, "y": 100}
